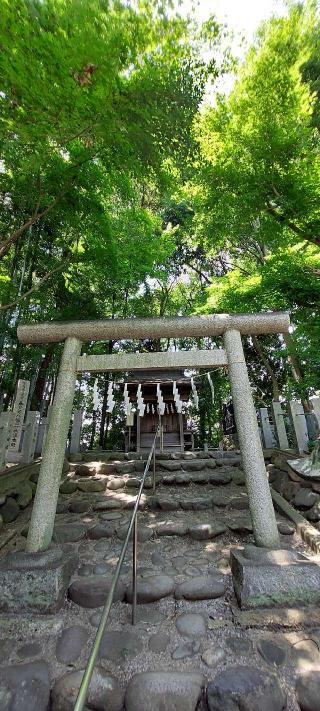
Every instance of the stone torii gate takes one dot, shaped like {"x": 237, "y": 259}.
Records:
{"x": 231, "y": 327}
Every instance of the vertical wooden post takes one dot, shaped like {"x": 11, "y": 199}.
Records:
{"x": 181, "y": 432}
{"x": 154, "y": 470}
{"x": 138, "y": 433}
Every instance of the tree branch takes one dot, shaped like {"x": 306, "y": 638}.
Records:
{"x": 5, "y": 246}
{"x": 288, "y": 223}
{"x": 36, "y": 287}
{"x": 199, "y": 272}
{"x": 246, "y": 249}
{"x": 275, "y": 387}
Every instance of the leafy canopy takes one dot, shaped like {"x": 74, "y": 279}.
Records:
{"x": 259, "y": 147}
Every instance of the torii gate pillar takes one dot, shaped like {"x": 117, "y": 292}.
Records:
{"x": 46, "y": 497}
{"x": 260, "y": 502}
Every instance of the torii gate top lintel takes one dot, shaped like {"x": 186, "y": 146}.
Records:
{"x": 168, "y": 327}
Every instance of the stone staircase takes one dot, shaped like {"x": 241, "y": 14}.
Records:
{"x": 184, "y": 484}
{"x": 189, "y": 649}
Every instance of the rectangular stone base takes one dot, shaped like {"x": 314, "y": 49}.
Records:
{"x": 278, "y": 578}
{"x": 287, "y": 618}
{"x": 35, "y": 582}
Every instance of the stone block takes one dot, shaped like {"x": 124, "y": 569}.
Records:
{"x": 104, "y": 691}
{"x": 71, "y": 643}
{"x": 246, "y": 688}
{"x": 206, "y": 531}
{"x": 151, "y": 588}
{"x": 308, "y": 690}
{"x": 85, "y": 470}
{"x": 195, "y": 465}
{"x": 25, "y": 686}
{"x": 10, "y": 510}
{"x": 36, "y": 582}
{"x": 204, "y": 587}
{"x": 25, "y": 495}
{"x": 192, "y": 624}
{"x": 102, "y": 530}
{"x": 172, "y": 466}
{"x": 91, "y": 485}
{"x": 69, "y": 532}
{"x": 75, "y": 457}
{"x": 68, "y": 487}
{"x": 92, "y": 591}
{"x": 274, "y": 578}
{"x": 171, "y": 528}
{"x": 125, "y": 468}
{"x": 120, "y": 645}
{"x": 305, "y": 499}
{"x": 314, "y": 513}
{"x": 173, "y": 691}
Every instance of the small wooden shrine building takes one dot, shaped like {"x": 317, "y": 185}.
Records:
{"x": 140, "y": 432}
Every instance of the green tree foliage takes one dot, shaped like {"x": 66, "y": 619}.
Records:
{"x": 287, "y": 280}
{"x": 95, "y": 99}
{"x": 259, "y": 147}
{"x": 256, "y": 197}
{"x": 87, "y": 83}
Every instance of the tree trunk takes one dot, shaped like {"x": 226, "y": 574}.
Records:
{"x": 41, "y": 379}
{"x": 264, "y": 359}
{"x": 106, "y": 431}
{"x": 103, "y": 423}
{"x": 93, "y": 430}
{"x": 296, "y": 370}
{"x": 103, "y": 411}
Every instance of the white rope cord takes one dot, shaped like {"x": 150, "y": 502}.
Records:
{"x": 143, "y": 407}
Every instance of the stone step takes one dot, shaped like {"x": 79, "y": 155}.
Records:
{"x": 129, "y": 467}
{"x": 90, "y": 591}
{"x": 17, "y": 489}
{"x": 182, "y": 527}
{"x": 114, "y": 530}
{"x": 93, "y": 483}
{"x": 194, "y": 495}
{"x": 107, "y": 456}
{"x": 213, "y": 499}
{"x": 113, "y": 525}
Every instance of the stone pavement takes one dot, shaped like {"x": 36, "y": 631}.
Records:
{"x": 191, "y": 647}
